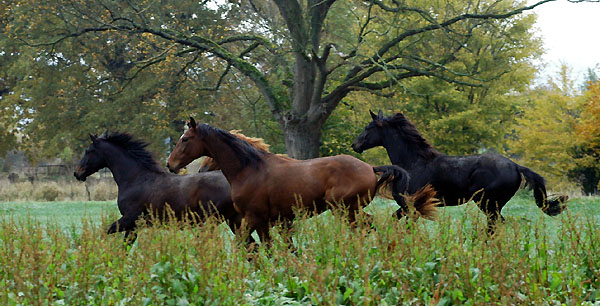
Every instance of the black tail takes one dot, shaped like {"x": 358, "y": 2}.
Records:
{"x": 536, "y": 182}
{"x": 397, "y": 178}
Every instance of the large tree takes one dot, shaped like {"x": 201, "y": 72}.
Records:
{"x": 303, "y": 56}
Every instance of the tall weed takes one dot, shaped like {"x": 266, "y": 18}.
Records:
{"x": 323, "y": 260}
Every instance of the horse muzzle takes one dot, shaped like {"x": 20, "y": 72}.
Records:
{"x": 79, "y": 174}
{"x": 172, "y": 169}
{"x": 356, "y": 147}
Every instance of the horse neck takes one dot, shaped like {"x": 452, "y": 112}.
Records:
{"x": 125, "y": 169}
{"x": 402, "y": 152}
{"x": 224, "y": 156}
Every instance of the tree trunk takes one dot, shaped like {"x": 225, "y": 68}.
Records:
{"x": 302, "y": 139}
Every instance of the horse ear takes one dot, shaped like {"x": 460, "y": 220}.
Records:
{"x": 93, "y": 138}
{"x": 373, "y": 115}
{"x": 380, "y": 115}
{"x": 192, "y": 123}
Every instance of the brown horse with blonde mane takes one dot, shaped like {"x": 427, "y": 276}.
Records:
{"x": 266, "y": 187}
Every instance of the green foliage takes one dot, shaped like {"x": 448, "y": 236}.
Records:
{"x": 588, "y": 136}
{"x": 532, "y": 259}
{"x": 459, "y": 119}
{"x": 340, "y": 131}
{"x": 545, "y": 138}
{"x": 54, "y": 95}
{"x": 158, "y": 63}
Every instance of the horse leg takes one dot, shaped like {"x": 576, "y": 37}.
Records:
{"x": 254, "y": 223}
{"x": 235, "y": 224}
{"x": 492, "y": 209}
{"x": 125, "y": 224}
{"x": 355, "y": 207}
{"x": 263, "y": 233}
{"x": 130, "y": 237}
{"x": 287, "y": 227}
{"x": 402, "y": 211}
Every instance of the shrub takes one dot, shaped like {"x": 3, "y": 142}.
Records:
{"x": 46, "y": 192}
{"x": 104, "y": 191}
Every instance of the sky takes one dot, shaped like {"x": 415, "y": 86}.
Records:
{"x": 571, "y": 34}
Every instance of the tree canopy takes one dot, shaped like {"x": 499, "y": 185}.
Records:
{"x": 302, "y": 58}
{"x": 301, "y": 74}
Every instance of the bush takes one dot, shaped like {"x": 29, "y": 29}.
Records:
{"x": 47, "y": 192}
{"x": 63, "y": 189}
{"x": 104, "y": 191}
{"x": 17, "y": 191}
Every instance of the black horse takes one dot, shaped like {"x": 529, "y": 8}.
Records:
{"x": 489, "y": 179}
{"x": 145, "y": 188}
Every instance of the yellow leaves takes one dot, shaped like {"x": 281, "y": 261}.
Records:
{"x": 546, "y": 134}
{"x": 588, "y": 128}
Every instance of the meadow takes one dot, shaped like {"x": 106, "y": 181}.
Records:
{"x": 56, "y": 253}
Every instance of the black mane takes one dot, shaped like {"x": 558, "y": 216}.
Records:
{"x": 409, "y": 132}
{"x": 248, "y": 154}
{"x": 135, "y": 148}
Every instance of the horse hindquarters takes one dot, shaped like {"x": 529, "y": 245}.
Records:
{"x": 423, "y": 200}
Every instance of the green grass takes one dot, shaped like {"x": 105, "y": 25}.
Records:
{"x": 65, "y": 214}
{"x": 532, "y": 260}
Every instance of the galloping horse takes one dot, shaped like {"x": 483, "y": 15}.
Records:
{"x": 265, "y": 187}
{"x": 144, "y": 186}
{"x": 490, "y": 179}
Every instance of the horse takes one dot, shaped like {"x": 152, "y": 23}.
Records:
{"x": 265, "y": 187}
{"x": 490, "y": 180}
{"x": 145, "y": 188}
{"x": 209, "y": 164}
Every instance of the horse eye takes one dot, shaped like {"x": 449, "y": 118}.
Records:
{"x": 184, "y": 139}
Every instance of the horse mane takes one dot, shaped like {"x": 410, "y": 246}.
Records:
{"x": 259, "y": 143}
{"x": 135, "y": 148}
{"x": 409, "y": 132}
{"x": 256, "y": 142}
{"x": 250, "y": 152}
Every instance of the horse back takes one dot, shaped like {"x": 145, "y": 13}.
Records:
{"x": 325, "y": 179}
{"x": 207, "y": 192}
{"x": 457, "y": 178}
{"x": 282, "y": 183}
{"x": 200, "y": 193}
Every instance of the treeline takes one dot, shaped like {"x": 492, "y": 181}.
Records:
{"x": 72, "y": 68}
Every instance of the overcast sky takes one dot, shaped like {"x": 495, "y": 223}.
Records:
{"x": 571, "y": 34}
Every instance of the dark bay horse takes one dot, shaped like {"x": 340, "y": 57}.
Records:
{"x": 143, "y": 185}
{"x": 490, "y": 179}
{"x": 265, "y": 187}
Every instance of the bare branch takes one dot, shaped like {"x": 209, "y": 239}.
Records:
{"x": 435, "y": 26}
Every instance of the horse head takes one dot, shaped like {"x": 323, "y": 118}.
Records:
{"x": 92, "y": 160}
{"x": 371, "y": 136}
{"x": 188, "y": 148}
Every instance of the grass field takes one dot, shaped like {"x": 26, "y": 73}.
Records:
{"x": 56, "y": 253}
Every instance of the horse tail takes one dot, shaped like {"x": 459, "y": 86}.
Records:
{"x": 536, "y": 182}
{"x": 392, "y": 177}
{"x": 396, "y": 179}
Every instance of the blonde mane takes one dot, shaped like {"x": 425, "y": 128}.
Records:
{"x": 210, "y": 165}
{"x": 256, "y": 142}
